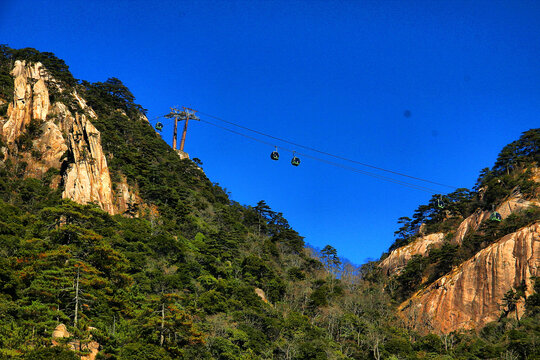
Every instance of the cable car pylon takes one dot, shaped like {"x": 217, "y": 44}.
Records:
{"x": 186, "y": 114}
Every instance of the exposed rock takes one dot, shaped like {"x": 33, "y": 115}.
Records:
{"x": 40, "y": 101}
{"x": 89, "y": 349}
{"x": 399, "y": 257}
{"x": 183, "y": 155}
{"x": 513, "y": 204}
{"x": 143, "y": 117}
{"x": 127, "y": 201}
{"x": 20, "y": 110}
{"x": 82, "y": 104}
{"x": 50, "y": 146}
{"x": 87, "y": 178}
{"x": 422, "y": 229}
{"x": 261, "y": 294}
{"x": 471, "y": 223}
{"x": 471, "y": 295}
{"x": 536, "y": 174}
{"x": 60, "y": 331}
{"x": 32, "y": 102}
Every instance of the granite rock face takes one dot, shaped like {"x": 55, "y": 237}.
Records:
{"x": 86, "y": 178}
{"x": 471, "y": 295}
{"x": 65, "y": 140}
{"x": 30, "y": 99}
{"x": 514, "y": 203}
{"x": 399, "y": 257}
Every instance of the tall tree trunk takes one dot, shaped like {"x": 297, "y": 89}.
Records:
{"x": 162, "y": 338}
{"x": 77, "y": 298}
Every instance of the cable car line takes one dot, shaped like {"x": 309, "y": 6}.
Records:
{"x": 157, "y": 117}
{"x": 327, "y": 153}
{"x": 377, "y": 176}
{"x": 328, "y": 162}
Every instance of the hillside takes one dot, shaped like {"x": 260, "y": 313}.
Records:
{"x": 454, "y": 264}
{"x": 104, "y": 229}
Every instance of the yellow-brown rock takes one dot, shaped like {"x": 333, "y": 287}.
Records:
{"x": 127, "y": 201}
{"x": 89, "y": 349}
{"x": 51, "y": 145}
{"x": 20, "y": 110}
{"x": 398, "y": 258}
{"x": 512, "y": 204}
{"x": 471, "y": 223}
{"x": 182, "y": 154}
{"x": 471, "y": 295}
{"x": 87, "y": 178}
{"x": 40, "y": 100}
{"x": 59, "y": 332}
{"x": 260, "y": 293}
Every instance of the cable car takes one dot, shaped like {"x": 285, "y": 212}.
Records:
{"x": 274, "y": 155}
{"x": 440, "y": 203}
{"x": 495, "y": 216}
{"x": 295, "y": 161}
{"x": 159, "y": 126}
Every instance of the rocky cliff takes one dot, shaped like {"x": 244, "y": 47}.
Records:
{"x": 514, "y": 203}
{"x": 66, "y": 139}
{"x": 30, "y": 99}
{"x": 398, "y": 258}
{"x": 471, "y": 295}
{"x": 86, "y": 178}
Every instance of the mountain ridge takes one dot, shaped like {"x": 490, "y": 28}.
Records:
{"x": 167, "y": 266}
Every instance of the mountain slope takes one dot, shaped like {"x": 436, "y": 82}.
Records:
{"x": 471, "y": 295}
{"x": 467, "y": 265}
{"x": 103, "y": 228}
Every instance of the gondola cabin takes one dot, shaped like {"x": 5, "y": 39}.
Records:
{"x": 495, "y": 216}
{"x": 440, "y": 204}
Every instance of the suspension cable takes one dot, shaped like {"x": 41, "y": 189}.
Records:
{"x": 326, "y": 153}
{"x": 328, "y": 162}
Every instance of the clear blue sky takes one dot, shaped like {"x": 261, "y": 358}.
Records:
{"x": 334, "y": 75}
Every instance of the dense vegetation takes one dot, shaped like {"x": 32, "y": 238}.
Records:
{"x": 179, "y": 282}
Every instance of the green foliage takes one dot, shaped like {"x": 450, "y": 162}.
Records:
{"x": 55, "y": 66}
{"x": 410, "y": 278}
{"x": 6, "y": 81}
{"x": 111, "y": 95}
{"x": 58, "y": 353}
{"x": 140, "y": 351}
{"x": 178, "y": 282}
{"x": 532, "y": 303}
{"x": 33, "y": 131}
{"x": 444, "y": 259}
{"x": 519, "y": 153}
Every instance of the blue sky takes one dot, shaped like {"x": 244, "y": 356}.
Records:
{"x": 333, "y": 75}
